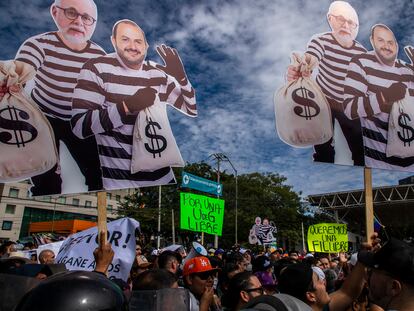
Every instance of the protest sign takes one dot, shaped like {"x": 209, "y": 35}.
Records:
{"x": 45, "y": 82}
{"x": 262, "y": 233}
{"x": 328, "y": 238}
{"x": 77, "y": 251}
{"x": 201, "y": 213}
{"x": 329, "y": 99}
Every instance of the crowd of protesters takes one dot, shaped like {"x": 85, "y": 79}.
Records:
{"x": 378, "y": 277}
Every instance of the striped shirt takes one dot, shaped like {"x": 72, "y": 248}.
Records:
{"x": 366, "y": 79}
{"x": 104, "y": 83}
{"x": 333, "y": 63}
{"x": 57, "y": 69}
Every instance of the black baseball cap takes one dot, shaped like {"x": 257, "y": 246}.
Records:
{"x": 295, "y": 280}
{"x": 162, "y": 258}
{"x": 396, "y": 257}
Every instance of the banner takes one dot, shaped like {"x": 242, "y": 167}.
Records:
{"x": 327, "y": 238}
{"x": 77, "y": 251}
{"x": 201, "y": 184}
{"x": 201, "y": 213}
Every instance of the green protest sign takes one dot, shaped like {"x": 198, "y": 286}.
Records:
{"x": 201, "y": 213}
{"x": 328, "y": 238}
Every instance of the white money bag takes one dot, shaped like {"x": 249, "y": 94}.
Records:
{"x": 154, "y": 145}
{"x": 303, "y": 115}
{"x": 27, "y": 146}
{"x": 400, "y": 141}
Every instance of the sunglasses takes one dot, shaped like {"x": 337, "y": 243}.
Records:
{"x": 204, "y": 275}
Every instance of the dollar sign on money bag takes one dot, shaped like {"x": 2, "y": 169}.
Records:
{"x": 407, "y": 134}
{"x": 308, "y": 108}
{"x": 23, "y": 132}
{"x": 158, "y": 142}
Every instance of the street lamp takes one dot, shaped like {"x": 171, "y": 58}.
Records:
{"x": 223, "y": 158}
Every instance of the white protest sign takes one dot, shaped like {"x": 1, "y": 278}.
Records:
{"x": 77, "y": 250}
{"x": 54, "y": 247}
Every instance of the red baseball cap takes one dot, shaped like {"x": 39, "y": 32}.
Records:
{"x": 197, "y": 265}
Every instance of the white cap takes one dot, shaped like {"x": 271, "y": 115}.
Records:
{"x": 345, "y": 9}
{"x": 319, "y": 272}
{"x": 243, "y": 250}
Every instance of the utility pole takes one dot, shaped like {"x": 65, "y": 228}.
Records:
{"x": 222, "y": 157}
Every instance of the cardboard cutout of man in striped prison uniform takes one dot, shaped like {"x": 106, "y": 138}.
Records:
{"x": 376, "y": 80}
{"x": 333, "y": 51}
{"x": 58, "y": 57}
{"x": 113, "y": 89}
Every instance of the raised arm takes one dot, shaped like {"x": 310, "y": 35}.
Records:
{"x": 342, "y": 299}
{"x": 178, "y": 92}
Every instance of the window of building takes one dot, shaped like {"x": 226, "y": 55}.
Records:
{"x": 110, "y": 207}
{"x": 62, "y": 200}
{"x": 13, "y": 192}
{"x": 108, "y": 196}
{"x": 88, "y": 203}
{"x": 7, "y": 225}
{"x": 75, "y": 202}
{"x": 10, "y": 209}
{"x": 118, "y": 198}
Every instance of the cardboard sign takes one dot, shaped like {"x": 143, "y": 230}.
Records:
{"x": 77, "y": 251}
{"x": 42, "y": 87}
{"x": 328, "y": 238}
{"x": 262, "y": 233}
{"x": 201, "y": 213}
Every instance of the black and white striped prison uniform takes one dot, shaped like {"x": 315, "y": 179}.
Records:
{"x": 333, "y": 60}
{"x": 333, "y": 63}
{"x": 367, "y": 77}
{"x": 57, "y": 69}
{"x": 104, "y": 83}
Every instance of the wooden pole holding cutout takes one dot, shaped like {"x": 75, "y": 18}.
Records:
{"x": 369, "y": 206}
{"x": 159, "y": 219}
{"x": 102, "y": 214}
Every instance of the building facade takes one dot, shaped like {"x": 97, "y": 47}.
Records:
{"x": 18, "y": 209}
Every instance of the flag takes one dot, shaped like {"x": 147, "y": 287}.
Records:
{"x": 377, "y": 225}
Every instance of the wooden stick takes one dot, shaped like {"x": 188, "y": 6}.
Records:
{"x": 102, "y": 213}
{"x": 369, "y": 206}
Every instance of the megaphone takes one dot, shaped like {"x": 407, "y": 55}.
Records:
{"x": 196, "y": 250}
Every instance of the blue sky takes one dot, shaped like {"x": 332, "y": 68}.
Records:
{"x": 235, "y": 53}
